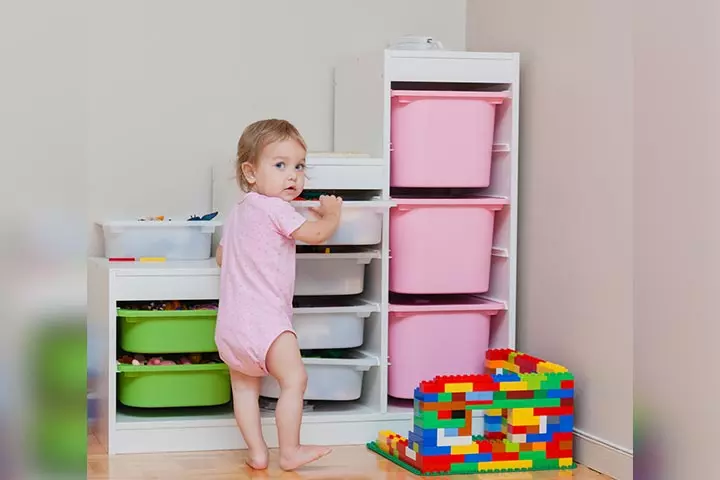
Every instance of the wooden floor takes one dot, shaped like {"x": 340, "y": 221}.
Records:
{"x": 345, "y": 463}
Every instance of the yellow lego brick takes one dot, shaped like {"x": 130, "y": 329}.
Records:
{"x": 547, "y": 367}
{"x": 505, "y": 464}
{"x": 494, "y": 412}
{"x": 523, "y": 417}
{"x": 513, "y": 386}
{"x": 458, "y": 387}
{"x": 416, "y": 447}
{"x": 464, "y": 449}
{"x": 566, "y": 462}
{"x": 539, "y": 446}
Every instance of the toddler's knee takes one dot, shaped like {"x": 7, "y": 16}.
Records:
{"x": 297, "y": 381}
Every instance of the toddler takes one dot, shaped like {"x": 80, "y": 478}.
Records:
{"x": 254, "y": 331}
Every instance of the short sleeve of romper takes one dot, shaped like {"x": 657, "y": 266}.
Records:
{"x": 284, "y": 217}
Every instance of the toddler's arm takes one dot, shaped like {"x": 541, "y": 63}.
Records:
{"x": 218, "y": 255}
{"x": 316, "y": 232}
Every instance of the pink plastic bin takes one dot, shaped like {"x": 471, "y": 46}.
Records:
{"x": 436, "y": 337}
{"x": 442, "y": 139}
{"x": 441, "y": 246}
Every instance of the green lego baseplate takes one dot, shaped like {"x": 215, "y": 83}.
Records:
{"x": 373, "y": 447}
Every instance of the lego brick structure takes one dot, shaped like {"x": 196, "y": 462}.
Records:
{"x": 528, "y": 420}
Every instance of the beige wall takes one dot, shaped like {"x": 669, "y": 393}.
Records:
{"x": 575, "y": 229}
{"x": 171, "y": 85}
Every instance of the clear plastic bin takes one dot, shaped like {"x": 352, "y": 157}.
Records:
{"x": 331, "y": 274}
{"x": 323, "y": 323}
{"x": 328, "y": 378}
{"x": 173, "y": 240}
{"x": 360, "y": 221}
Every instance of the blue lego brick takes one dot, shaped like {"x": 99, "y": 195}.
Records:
{"x": 424, "y": 437}
{"x": 506, "y": 377}
{"x": 565, "y": 424}
{"x": 493, "y": 419}
{"x": 567, "y": 393}
{"x": 425, "y": 397}
{"x": 493, "y": 427}
{"x": 451, "y": 432}
{"x": 434, "y": 451}
{"x": 478, "y": 457}
{"x": 538, "y": 437}
{"x": 478, "y": 396}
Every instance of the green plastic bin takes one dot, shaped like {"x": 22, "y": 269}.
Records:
{"x": 161, "y": 386}
{"x": 167, "y": 331}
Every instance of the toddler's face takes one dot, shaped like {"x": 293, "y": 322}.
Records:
{"x": 280, "y": 170}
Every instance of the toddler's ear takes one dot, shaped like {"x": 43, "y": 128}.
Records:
{"x": 248, "y": 171}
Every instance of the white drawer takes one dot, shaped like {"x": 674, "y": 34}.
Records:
{"x": 345, "y": 173}
{"x": 166, "y": 287}
{"x": 360, "y": 221}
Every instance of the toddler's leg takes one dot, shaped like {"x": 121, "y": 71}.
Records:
{"x": 246, "y": 393}
{"x": 285, "y": 364}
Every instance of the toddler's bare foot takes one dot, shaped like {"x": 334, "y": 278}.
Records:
{"x": 302, "y": 456}
{"x": 257, "y": 461}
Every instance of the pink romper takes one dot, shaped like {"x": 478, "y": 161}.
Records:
{"x": 257, "y": 281}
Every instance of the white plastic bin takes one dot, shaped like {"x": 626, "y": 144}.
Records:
{"x": 174, "y": 240}
{"x": 328, "y": 379}
{"x": 331, "y": 274}
{"x": 325, "y": 325}
{"x": 360, "y": 221}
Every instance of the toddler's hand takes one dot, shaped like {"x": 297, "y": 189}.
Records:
{"x": 330, "y": 205}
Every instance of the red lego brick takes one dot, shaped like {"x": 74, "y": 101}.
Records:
{"x": 458, "y": 397}
{"x": 431, "y": 387}
{"x": 485, "y": 446}
{"x": 562, "y": 436}
{"x": 517, "y": 430}
{"x": 495, "y": 436}
{"x": 444, "y": 415}
{"x": 567, "y": 402}
{"x": 552, "y": 411}
{"x": 498, "y": 354}
{"x": 567, "y": 384}
{"x": 520, "y": 395}
{"x": 440, "y": 463}
{"x": 504, "y": 456}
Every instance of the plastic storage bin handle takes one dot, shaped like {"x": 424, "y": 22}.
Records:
{"x": 408, "y": 96}
{"x": 491, "y": 203}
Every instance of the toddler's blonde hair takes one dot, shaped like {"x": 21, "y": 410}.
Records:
{"x": 256, "y": 137}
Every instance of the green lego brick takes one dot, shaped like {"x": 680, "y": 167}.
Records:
{"x": 445, "y": 397}
{"x": 529, "y": 403}
{"x": 426, "y": 423}
{"x": 547, "y": 463}
{"x": 373, "y": 447}
{"x": 541, "y": 393}
{"x": 499, "y": 395}
{"x": 464, "y": 468}
{"x": 535, "y": 382}
{"x": 512, "y": 447}
{"x": 534, "y": 455}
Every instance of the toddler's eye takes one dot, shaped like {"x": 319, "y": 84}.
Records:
{"x": 280, "y": 165}
{"x": 300, "y": 168}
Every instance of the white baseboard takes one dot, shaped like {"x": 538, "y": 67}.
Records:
{"x": 603, "y": 456}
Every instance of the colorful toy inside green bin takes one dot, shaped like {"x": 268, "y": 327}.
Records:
{"x": 164, "y": 386}
{"x": 167, "y": 331}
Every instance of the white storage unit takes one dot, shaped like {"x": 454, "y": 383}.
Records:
{"x": 174, "y": 240}
{"x": 357, "y": 273}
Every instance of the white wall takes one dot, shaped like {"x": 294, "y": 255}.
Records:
{"x": 575, "y": 272}
{"x": 171, "y": 85}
